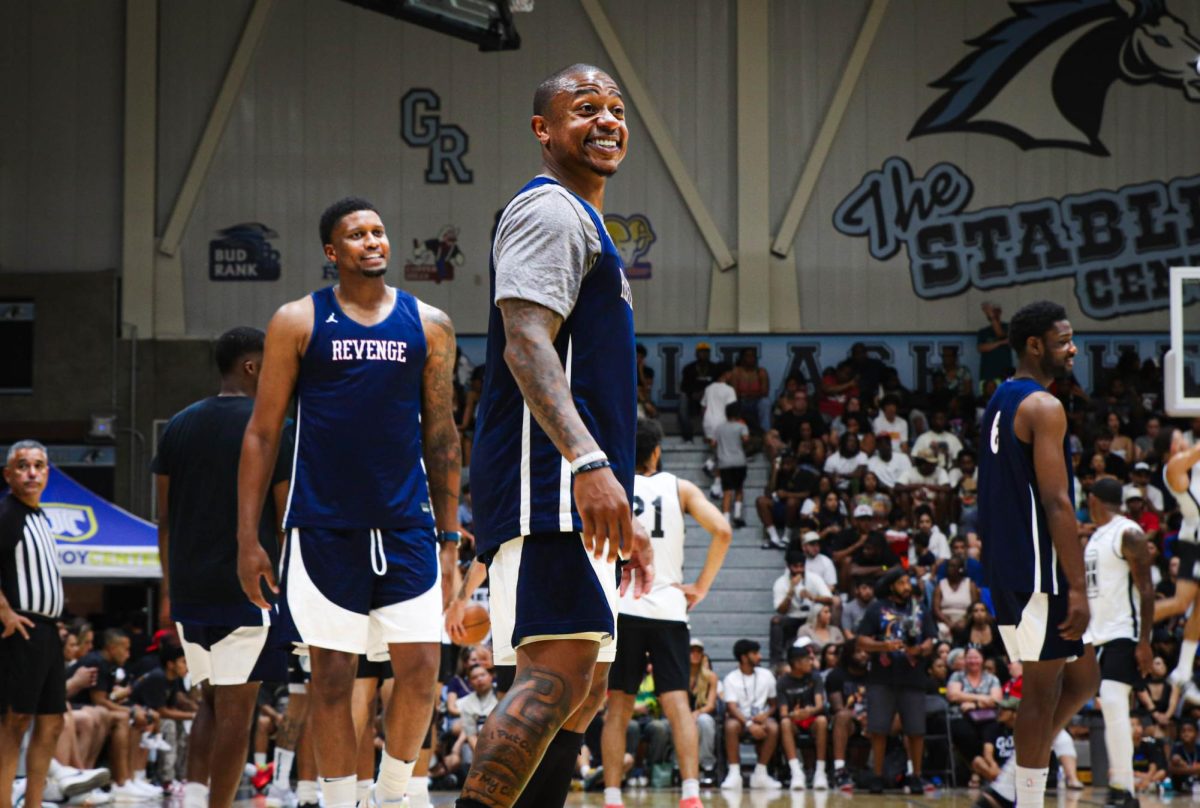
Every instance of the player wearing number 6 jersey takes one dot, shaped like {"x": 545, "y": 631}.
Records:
{"x": 655, "y": 625}
{"x": 1031, "y": 551}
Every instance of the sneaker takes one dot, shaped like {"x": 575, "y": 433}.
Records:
{"x": 284, "y": 795}
{"x": 74, "y": 781}
{"x": 149, "y": 789}
{"x": 990, "y": 798}
{"x": 52, "y": 792}
{"x": 96, "y": 797}
{"x": 820, "y": 781}
{"x": 690, "y": 802}
{"x": 708, "y": 778}
{"x": 798, "y": 783}
{"x": 714, "y": 491}
{"x": 915, "y": 784}
{"x": 733, "y": 780}
{"x": 262, "y": 776}
{"x": 739, "y": 522}
{"x": 1120, "y": 798}
{"x": 18, "y": 791}
{"x": 764, "y": 780}
{"x": 710, "y": 467}
{"x": 128, "y": 792}
{"x": 843, "y": 781}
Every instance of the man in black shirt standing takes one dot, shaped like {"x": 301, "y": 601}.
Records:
{"x": 697, "y": 376}
{"x": 224, "y": 636}
{"x": 898, "y": 633}
{"x": 32, "y": 677}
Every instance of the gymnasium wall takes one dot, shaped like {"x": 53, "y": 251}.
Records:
{"x": 321, "y": 115}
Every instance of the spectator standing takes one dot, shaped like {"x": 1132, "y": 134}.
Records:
{"x": 898, "y": 633}
{"x": 801, "y": 696}
{"x": 995, "y": 354}
{"x": 697, "y": 376}
{"x": 958, "y": 377}
{"x": 753, "y": 386}
{"x": 750, "y": 708}
{"x": 730, "y": 440}
{"x": 868, "y": 370}
{"x": 795, "y": 594}
{"x": 31, "y": 601}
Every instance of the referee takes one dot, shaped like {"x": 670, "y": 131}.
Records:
{"x": 32, "y": 675}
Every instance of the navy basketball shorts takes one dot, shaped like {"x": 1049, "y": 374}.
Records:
{"x": 546, "y": 586}
{"x": 232, "y": 655}
{"x": 1028, "y": 624}
{"x": 1118, "y": 662}
{"x": 662, "y": 643}
{"x": 359, "y": 591}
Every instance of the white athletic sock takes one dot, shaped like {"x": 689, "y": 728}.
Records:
{"x": 393, "y": 779}
{"x": 737, "y": 510}
{"x": 260, "y": 759}
{"x": 908, "y": 769}
{"x": 759, "y": 768}
{"x": 1118, "y": 736}
{"x": 338, "y": 791}
{"x": 691, "y": 788}
{"x": 838, "y": 765}
{"x": 773, "y": 532}
{"x": 1006, "y": 784}
{"x": 794, "y": 765}
{"x": 283, "y": 766}
{"x": 195, "y": 795}
{"x": 1187, "y": 658}
{"x": 418, "y": 785}
{"x": 1031, "y": 787}
{"x": 820, "y": 765}
{"x": 140, "y": 774}
{"x": 612, "y": 796}
{"x": 306, "y": 792}
{"x": 362, "y": 792}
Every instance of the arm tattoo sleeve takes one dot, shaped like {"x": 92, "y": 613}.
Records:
{"x": 441, "y": 445}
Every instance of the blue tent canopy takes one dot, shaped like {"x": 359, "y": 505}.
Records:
{"x": 96, "y": 539}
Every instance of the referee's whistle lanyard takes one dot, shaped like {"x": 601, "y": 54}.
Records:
{"x": 379, "y": 564}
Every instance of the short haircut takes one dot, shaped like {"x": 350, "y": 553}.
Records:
{"x": 169, "y": 653}
{"x": 795, "y": 557}
{"x": 554, "y": 83}
{"x": 480, "y": 667}
{"x": 733, "y": 410}
{"x": 743, "y": 647}
{"x": 1108, "y": 491}
{"x": 338, "y": 211}
{"x": 112, "y": 636}
{"x": 21, "y": 446}
{"x": 889, "y": 399}
{"x": 1033, "y": 320}
{"x": 957, "y": 539}
{"x": 235, "y": 344}
{"x": 649, "y": 436}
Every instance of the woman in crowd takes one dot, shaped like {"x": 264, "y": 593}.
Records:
{"x": 1157, "y": 701}
{"x": 952, "y": 598}
{"x": 974, "y": 695}
{"x": 980, "y": 631}
{"x": 1122, "y": 445}
{"x": 702, "y": 697}
{"x": 820, "y": 629}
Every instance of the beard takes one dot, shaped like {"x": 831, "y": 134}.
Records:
{"x": 374, "y": 273}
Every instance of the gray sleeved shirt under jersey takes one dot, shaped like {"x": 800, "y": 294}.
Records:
{"x": 545, "y": 245}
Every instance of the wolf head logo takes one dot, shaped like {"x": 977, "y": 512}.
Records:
{"x": 1040, "y": 78}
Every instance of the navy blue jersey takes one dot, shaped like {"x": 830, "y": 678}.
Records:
{"x": 520, "y": 483}
{"x": 1018, "y": 554}
{"x": 358, "y": 457}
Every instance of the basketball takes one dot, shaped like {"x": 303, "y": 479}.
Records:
{"x": 476, "y": 624}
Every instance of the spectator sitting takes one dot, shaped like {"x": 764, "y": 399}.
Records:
{"x": 888, "y": 422}
{"x": 791, "y": 414}
{"x": 856, "y": 608}
{"x": 944, "y": 443}
{"x": 845, "y": 687}
{"x": 952, "y": 599}
{"x": 887, "y": 464}
{"x": 1113, "y": 464}
{"x": 1158, "y": 700}
{"x": 1149, "y": 762}
{"x": 702, "y": 696}
{"x": 847, "y": 464}
{"x": 958, "y": 547}
{"x": 730, "y": 440}
{"x": 939, "y": 545}
{"x": 645, "y": 385}
{"x": 965, "y": 481}
{"x": 830, "y": 516}
{"x": 851, "y": 420}
{"x": 958, "y": 377}
{"x": 1144, "y": 446}
{"x": 749, "y": 714}
{"x": 1185, "y": 759}
{"x": 980, "y": 632}
{"x": 1120, "y": 444}
{"x": 1135, "y": 509}
{"x": 926, "y": 483}
{"x": 790, "y": 485}
{"x": 898, "y": 633}
{"x": 820, "y": 630}
{"x": 836, "y": 386}
{"x": 697, "y": 376}
{"x": 873, "y": 559}
{"x": 795, "y": 594}
{"x": 647, "y": 724}
{"x": 163, "y": 690}
{"x": 998, "y": 744}
{"x": 819, "y": 564}
{"x": 871, "y": 492}
{"x": 753, "y": 387}
{"x": 475, "y": 707}
{"x": 801, "y": 696}
{"x": 1139, "y": 479}
{"x": 974, "y": 694}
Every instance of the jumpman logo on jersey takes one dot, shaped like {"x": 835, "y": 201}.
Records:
{"x": 331, "y": 318}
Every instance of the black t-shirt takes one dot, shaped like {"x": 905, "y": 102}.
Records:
{"x": 106, "y": 676}
{"x": 199, "y": 453}
{"x": 884, "y": 558}
{"x": 843, "y": 681}
{"x": 697, "y": 377}
{"x": 1190, "y": 757}
{"x": 1147, "y": 752}
{"x": 1001, "y": 738}
{"x": 792, "y": 691}
{"x": 800, "y": 481}
{"x": 884, "y": 620}
{"x": 155, "y": 690}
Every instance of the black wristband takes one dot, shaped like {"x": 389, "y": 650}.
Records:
{"x": 595, "y": 464}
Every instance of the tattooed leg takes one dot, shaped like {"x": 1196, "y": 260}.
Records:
{"x": 553, "y": 679}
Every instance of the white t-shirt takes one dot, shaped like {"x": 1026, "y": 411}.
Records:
{"x": 914, "y": 477}
{"x": 897, "y": 430}
{"x": 799, "y": 608}
{"x": 837, "y": 464}
{"x": 889, "y": 473}
{"x": 823, "y": 567}
{"x": 717, "y": 396}
{"x": 749, "y": 692}
{"x": 934, "y": 440}
{"x": 475, "y": 710}
{"x": 1149, "y": 493}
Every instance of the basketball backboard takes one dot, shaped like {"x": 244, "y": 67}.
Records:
{"x": 1181, "y": 364}
{"x": 487, "y": 23}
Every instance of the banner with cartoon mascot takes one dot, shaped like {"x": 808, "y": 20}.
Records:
{"x": 95, "y": 538}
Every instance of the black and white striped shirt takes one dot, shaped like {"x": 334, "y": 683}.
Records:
{"x": 29, "y": 575}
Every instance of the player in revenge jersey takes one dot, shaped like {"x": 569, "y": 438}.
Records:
{"x": 1120, "y": 596}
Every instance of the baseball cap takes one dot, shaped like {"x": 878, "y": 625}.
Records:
{"x": 703, "y": 346}
{"x": 802, "y": 647}
{"x": 1141, "y": 465}
{"x": 697, "y": 643}
{"x": 863, "y": 510}
{"x": 926, "y": 454}
{"x": 809, "y": 537}
{"x": 1132, "y": 492}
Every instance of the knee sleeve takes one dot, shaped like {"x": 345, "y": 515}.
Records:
{"x": 1064, "y": 745}
{"x": 1118, "y": 735}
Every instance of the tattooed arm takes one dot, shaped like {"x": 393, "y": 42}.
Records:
{"x": 439, "y": 436}
{"x": 1133, "y": 549}
{"x": 530, "y": 330}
